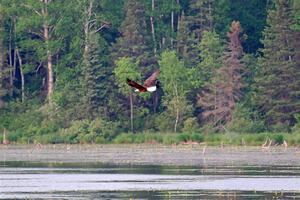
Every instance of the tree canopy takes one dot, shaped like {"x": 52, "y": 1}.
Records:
{"x": 223, "y": 64}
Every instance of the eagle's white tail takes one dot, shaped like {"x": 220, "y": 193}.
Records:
{"x": 151, "y": 89}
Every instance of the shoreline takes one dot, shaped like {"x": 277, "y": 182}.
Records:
{"x": 148, "y": 154}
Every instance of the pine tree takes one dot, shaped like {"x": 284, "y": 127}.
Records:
{"x": 211, "y": 51}
{"x": 221, "y": 16}
{"x": 94, "y": 71}
{"x": 278, "y": 81}
{"x": 186, "y": 46}
{"x": 219, "y": 99}
{"x": 92, "y": 79}
{"x": 296, "y": 13}
{"x": 2, "y": 89}
{"x": 190, "y": 30}
{"x": 135, "y": 40}
{"x": 201, "y": 16}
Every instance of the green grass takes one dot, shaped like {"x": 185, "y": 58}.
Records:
{"x": 230, "y": 138}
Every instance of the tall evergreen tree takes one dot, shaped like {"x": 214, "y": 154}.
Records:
{"x": 221, "y": 16}
{"x": 211, "y": 50}
{"x": 92, "y": 78}
{"x": 219, "y": 100}
{"x": 93, "y": 68}
{"x": 186, "y": 42}
{"x": 201, "y": 16}
{"x": 296, "y": 13}
{"x": 278, "y": 81}
{"x": 2, "y": 89}
{"x": 135, "y": 40}
{"x": 191, "y": 27}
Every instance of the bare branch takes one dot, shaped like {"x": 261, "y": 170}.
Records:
{"x": 101, "y": 27}
{"x": 31, "y": 8}
{"x": 37, "y": 34}
{"x": 38, "y": 68}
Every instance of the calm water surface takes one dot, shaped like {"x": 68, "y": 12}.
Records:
{"x": 36, "y": 180}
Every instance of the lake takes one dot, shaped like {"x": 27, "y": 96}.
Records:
{"x": 24, "y": 178}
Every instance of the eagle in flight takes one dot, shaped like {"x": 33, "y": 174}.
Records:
{"x": 150, "y": 85}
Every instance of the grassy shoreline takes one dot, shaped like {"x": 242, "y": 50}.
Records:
{"x": 229, "y": 138}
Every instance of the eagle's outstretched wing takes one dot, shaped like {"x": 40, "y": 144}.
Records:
{"x": 150, "y": 81}
{"x": 136, "y": 85}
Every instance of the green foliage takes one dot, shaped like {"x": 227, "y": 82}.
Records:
{"x": 124, "y": 138}
{"x": 278, "y": 138}
{"x": 296, "y": 128}
{"x": 175, "y": 84}
{"x": 169, "y": 139}
{"x": 253, "y": 20}
{"x": 94, "y": 46}
{"x": 135, "y": 40}
{"x": 296, "y": 14}
{"x": 95, "y": 87}
{"x": 183, "y": 137}
{"x": 245, "y": 121}
{"x": 85, "y": 131}
{"x": 126, "y": 68}
{"x": 211, "y": 51}
{"x": 276, "y": 96}
{"x": 190, "y": 125}
{"x": 197, "y": 137}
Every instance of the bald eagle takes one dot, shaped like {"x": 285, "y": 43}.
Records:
{"x": 150, "y": 85}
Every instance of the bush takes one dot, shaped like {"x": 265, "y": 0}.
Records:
{"x": 100, "y": 140}
{"x": 150, "y": 137}
{"x": 86, "y": 138}
{"x": 280, "y": 127}
{"x": 183, "y": 137}
{"x": 207, "y": 129}
{"x": 164, "y": 123}
{"x": 190, "y": 125}
{"x": 49, "y": 139}
{"x": 213, "y": 139}
{"x": 105, "y": 129}
{"x": 278, "y": 138}
{"x": 124, "y": 138}
{"x": 14, "y": 135}
{"x": 197, "y": 137}
{"x": 170, "y": 139}
{"x": 296, "y": 128}
{"x": 244, "y": 121}
{"x": 85, "y": 131}
{"x": 139, "y": 138}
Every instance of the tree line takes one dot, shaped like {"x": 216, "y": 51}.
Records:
{"x": 225, "y": 65}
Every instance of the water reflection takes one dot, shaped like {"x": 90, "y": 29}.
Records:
{"x": 19, "y": 180}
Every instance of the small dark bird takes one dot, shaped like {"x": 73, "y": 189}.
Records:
{"x": 150, "y": 85}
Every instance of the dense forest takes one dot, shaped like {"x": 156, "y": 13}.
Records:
{"x": 226, "y": 66}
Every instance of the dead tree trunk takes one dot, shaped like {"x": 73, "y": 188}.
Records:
{"x": 152, "y": 27}
{"x": 1, "y": 60}
{"x": 131, "y": 111}
{"x": 177, "y": 109}
{"x": 22, "y": 75}
{"x": 50, "y": 75}
{"x": 172, "y": 26}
